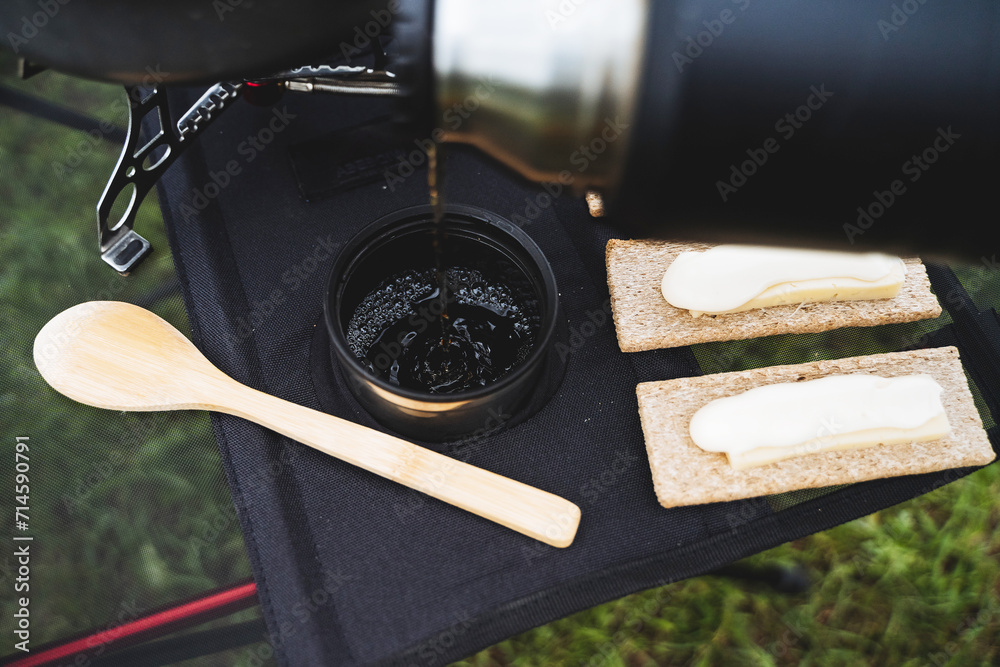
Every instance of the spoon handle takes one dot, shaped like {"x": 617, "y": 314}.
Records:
{"x": 533, "y": 512}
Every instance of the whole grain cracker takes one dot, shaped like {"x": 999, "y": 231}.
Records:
{"x": 684, "y": 474}
{"x": 645, "y": 321}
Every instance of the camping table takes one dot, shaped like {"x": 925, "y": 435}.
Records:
{"x": 404, "y": 572}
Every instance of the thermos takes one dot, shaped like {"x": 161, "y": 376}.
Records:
{"x": 849, "y": 124}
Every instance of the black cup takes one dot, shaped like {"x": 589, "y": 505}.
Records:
{"x": 472, "y": 238}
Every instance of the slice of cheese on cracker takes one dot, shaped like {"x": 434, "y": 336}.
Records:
{"x": 644, "y": 320}
{"x": 734, "y": 278}
{"x": 779, "y": 421}
{"x": 685, "y": 474}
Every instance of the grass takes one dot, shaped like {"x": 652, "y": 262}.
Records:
{"x": 121, "y": 504}
{"x": 133, "y": 507}
{"x": 916, "y": 584}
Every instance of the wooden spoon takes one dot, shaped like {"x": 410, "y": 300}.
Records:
{"x": 122, "y": 357}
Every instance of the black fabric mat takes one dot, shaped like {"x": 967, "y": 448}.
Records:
{"x": 353, "y": 569}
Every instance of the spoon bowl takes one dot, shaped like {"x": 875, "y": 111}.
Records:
{"x": 118, "y": 356}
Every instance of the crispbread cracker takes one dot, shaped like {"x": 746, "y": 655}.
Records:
{"x": 645, "y": 321}
{"x": 684, "y": 474}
